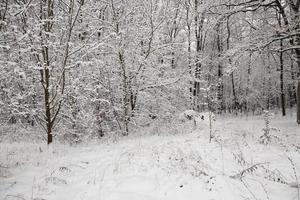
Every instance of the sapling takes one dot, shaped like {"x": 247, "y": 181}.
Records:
{"x": 266, "y": 137}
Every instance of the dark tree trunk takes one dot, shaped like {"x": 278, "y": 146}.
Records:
{"x": 47, "y": 105}
{"x": 199, "y": 21}
{"x": 292, "y": 92}
{"x": 298, "y": 102}
{"x": 126, "y": 95}
{"x": 49, "y": 137}
{"x": 296, "y": 25}
{"x": 297, "y": 51}
{"x": 220, "y": 72}
{"x": 47, "y": 14}
{"x": 248, "y": 83}
{"x": 235, "y": 103}
{"x": 189, "y": 57}
{"x": 298, "y": 82}
{"x": 282, "y": 95}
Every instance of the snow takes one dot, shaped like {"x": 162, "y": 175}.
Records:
{"x": 201, "y": 119}
{"x": 166, "y": 166}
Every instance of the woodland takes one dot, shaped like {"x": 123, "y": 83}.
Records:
{"x": 90, "y": 68}
{"x": 150, "y": 99}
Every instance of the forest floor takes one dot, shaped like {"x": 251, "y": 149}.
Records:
{"x": 185, "y": 166}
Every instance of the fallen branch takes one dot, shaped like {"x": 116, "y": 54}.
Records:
{"x": 248, "y": 170}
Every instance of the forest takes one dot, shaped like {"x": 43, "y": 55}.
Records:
{"x": 104, "y": 67}
{"x": 76, "y": 72}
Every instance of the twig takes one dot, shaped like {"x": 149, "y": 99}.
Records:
{"x": 296, "y": 177}
{"x": 247, "y": 170}
{"x": 247, "y": 187}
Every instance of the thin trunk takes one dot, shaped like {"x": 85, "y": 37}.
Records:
{"x": 235, "y": 103}
{"x": 45, "y": 72}
{"x": 198, "y": 64}
{"x": 52, "y": 103}
{"x": 199, "y": 44}
{"x": 47, "y": 106}
{"x": 189, "y": 56}
{"x": 294, "y": 8}
{"x": 269, "y": 85}
{"x": 297, "y": 51}
{"x": 298, "y": 82}
{"x": 248, "y": 83}
{"x": 126, "y": 95}
{"x": 220, "y": 73}
{"x": 293, "y": 95}
{"x": 298, "y": 102}
{"x": 296, "y": 18}
{"x": 282, "y": 95}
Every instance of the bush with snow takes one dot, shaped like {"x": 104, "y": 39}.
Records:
{"x": 200, "y": 120}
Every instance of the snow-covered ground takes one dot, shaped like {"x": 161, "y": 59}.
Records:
{"x": 181, "y": 166}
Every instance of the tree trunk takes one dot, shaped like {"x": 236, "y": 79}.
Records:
{"x": 49, "y": 137}
{"x": 246, "y": 103}
{"x": 189, "y": 57}
{"x": 293, "y": 95}
{"x": 47, "y": 105}
{"x": 235, "y": 103}
{"x": 296, "y": 25}
{"x": 297, "y": 51}
{"x": 198, "y": 22}
{"x": 282, "y": 96}
{"x": 126, "y": 95}
{"x": 298, "y": 102}
{"x": 220, "y": 86}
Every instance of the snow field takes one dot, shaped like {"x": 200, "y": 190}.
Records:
{"x": 170, "y": 167}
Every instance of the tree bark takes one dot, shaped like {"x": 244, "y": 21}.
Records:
{"x": 220, "y": 86}
{"x": 298, "y": 102}
{"x": 235, "y": 103}
{"x": 199, "y": 47}
{"x": 189, "y": 54}
{"x": 47, "y": 14}
{"x": 296, "y": 17}
{"x": 292, "y": 87}
{"x": 282, "y": 95}
{"x": 246, "y": 103}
